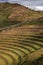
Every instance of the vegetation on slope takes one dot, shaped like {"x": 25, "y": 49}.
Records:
{"x": 11, "y": 14}
{"x": 17, "y": 43}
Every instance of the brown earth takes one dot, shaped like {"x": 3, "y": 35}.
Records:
{"x": 17, "y": 12}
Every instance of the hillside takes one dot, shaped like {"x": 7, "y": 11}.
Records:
{"x": 11, "y": 14}
{"x": 21, "y": 35}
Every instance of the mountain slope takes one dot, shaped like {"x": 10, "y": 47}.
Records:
{"x": 21, "y": 35}
{"x": 11, "y": 14}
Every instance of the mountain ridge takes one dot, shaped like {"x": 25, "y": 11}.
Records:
{"x": 11, "y": 14}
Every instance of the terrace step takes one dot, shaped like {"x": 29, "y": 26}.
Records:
{"x": 16, "y": 49}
